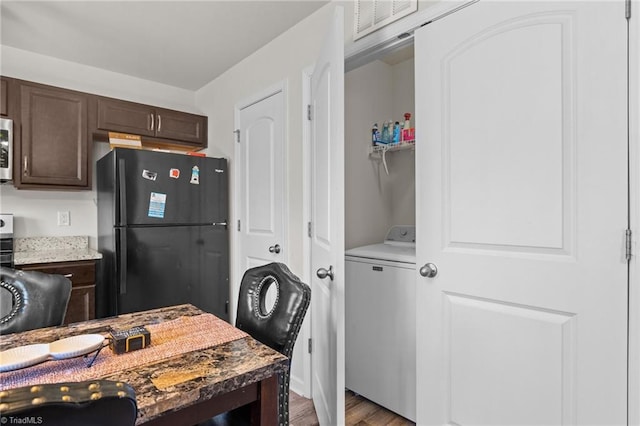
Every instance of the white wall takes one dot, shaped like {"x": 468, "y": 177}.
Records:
{"x": 375, "y": 201}
{"x": 70, "y": 75}
{"x": 368, "y": 202}
{"x": 36, "y": 211}
{"x": 402, "y": 166}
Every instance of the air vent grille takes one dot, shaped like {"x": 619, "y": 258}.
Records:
{"x": 371, "y": 15}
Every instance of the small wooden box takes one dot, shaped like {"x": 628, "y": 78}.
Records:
{"x": 123, "y": 341}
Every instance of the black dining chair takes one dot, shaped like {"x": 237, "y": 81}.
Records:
{"x": 89, "y": 403}
{"x": 31, "y": 299}
{"x": 276, "y": 326}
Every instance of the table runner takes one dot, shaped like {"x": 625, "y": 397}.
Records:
{"x": 168, "y": 339}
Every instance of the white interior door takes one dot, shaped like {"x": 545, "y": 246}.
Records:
{"x": 261, "y": 169}
{"x": 522, "y": 207}
{"x": 327, "y": 226}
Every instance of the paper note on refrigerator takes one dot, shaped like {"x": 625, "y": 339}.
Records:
{"x": 157, "y": 203}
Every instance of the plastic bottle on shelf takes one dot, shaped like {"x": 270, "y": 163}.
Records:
{"x": 406, "y": 125}
{"x": 396, "y": 132}
{"x": 386, "y": 135}
{"x": 408, "y": 134}
{"x": 375, "y": 134}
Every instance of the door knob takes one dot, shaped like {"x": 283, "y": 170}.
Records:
{"x": 275, "y": 249}
{"x": 323, "y": 273}
{"x": 429, "y": 270}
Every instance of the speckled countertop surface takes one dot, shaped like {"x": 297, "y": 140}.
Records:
{"x": 52, "y": 249}
{"x": 226, "y": 367}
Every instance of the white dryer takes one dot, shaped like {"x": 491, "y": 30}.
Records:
{"x": 380, "y": 321}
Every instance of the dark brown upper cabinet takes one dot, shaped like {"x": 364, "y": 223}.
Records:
{"x": 52, "y": 149}
{"x": 4, "y": 97}
{"x": 181, "y": 126}
{"x": 120, "y": 116}
{"x": 156, "y": 123}
{"x": 54, "y": 130}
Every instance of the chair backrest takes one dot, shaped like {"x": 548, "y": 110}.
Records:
{"x": 95, "y": 403}
{"x": 37, "y": 299}
{"x": 279, "y": 326}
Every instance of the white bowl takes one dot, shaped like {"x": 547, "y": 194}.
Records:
{"x": 75, "y": 346}
{"x": 23, "y": 356}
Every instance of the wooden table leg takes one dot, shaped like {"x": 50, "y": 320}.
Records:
{"x": 264, "y": 412}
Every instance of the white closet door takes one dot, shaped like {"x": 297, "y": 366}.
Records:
{"x": 522, "y": 207}
{"x": 327, "y": 226}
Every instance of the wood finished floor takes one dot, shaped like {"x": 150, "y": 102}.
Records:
{"x": 358, "y": 412}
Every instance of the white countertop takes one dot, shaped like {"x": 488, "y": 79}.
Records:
{"x": 52, "y": 249}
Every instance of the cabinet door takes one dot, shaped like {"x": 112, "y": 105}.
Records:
{"x": 82, "y": 306}
{"x": 4, "y": 97}
{"x": 128, "y": 117}
{"x": 54, "y": 144}
{"x": 181, "y": 126}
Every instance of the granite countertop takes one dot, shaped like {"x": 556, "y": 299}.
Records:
{"x": 52, "y": 249}
{"x": 222, "y": 368}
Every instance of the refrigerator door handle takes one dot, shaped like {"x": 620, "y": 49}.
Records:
{"x": 122, "y": 267}
{"x": 122, "y": 193}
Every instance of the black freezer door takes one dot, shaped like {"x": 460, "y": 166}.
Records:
{"x": 173, "y": 265}
{"x": 158, "y": 188}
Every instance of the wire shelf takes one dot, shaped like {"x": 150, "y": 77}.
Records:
{"x": 400, "y": 146}
{"x": 381, "y": 150}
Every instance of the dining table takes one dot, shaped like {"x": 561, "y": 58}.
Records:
{"x": 195, "y": 367}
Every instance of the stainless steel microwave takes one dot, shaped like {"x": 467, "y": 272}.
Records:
{"x": 6, "y": 149}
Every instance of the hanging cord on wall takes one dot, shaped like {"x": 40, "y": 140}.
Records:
{"x": 384, "y": 160}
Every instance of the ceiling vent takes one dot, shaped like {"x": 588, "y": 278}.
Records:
{"x": 371, "y": 15}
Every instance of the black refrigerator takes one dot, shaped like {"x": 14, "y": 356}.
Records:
{"x": 162, "y": 232}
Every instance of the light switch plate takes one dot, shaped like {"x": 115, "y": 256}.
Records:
{"x": 64, "y": 218}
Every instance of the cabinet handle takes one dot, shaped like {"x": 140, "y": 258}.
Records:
{"x": 159, "y": 123}
{"x": 26, "y": 166}
{"x": 152, "y": 121}
{"x": 68, "y": 276}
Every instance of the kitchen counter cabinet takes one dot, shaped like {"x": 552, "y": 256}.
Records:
{"x": 148, "y": 121}
{"x": 83, "y": 280}
{"x": 52, "y": 149}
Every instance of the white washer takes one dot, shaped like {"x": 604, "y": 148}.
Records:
{"x": 380, "y": 321}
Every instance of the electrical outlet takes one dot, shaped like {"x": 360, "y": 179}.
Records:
{"x": 64, "y": 218}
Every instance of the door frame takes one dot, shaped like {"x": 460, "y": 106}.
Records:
{"x": 306, "y": 216}
{"x": 236, "y": 272}
{"x": 634, "y": 215}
